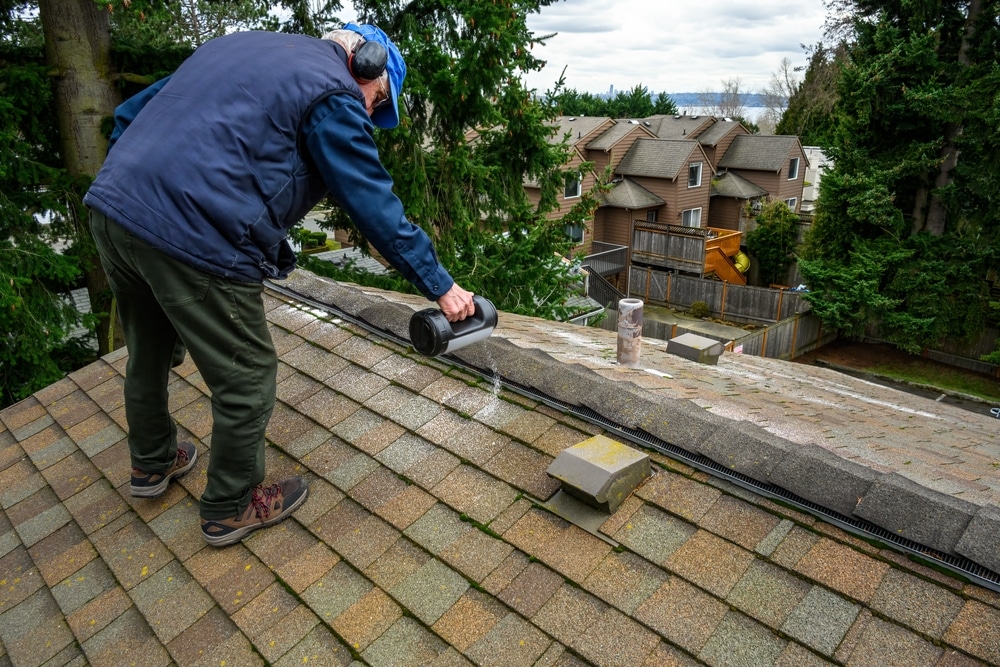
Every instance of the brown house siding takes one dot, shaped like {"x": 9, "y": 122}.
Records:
{"x": 725, "y": 213}
{"x": 716, "y": 152}
{"x": 616, "y": 225}
{"x": 793, "y": 188}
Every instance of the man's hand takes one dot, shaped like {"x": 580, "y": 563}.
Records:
{"x": 456, "y": 304}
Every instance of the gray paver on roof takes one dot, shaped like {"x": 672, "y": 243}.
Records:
{"x": 408, "y": 553}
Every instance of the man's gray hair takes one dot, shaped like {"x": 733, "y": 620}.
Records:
{"x": 346, "y": 38}
{"x": 350, "y": 39}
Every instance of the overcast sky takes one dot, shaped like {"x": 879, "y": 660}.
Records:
{"x": 669, "y": 46}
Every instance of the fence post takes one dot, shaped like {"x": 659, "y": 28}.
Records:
{"x": 725, "y": 292}
{"x": 795, "y": 335}
{"x": 781, "y": 297}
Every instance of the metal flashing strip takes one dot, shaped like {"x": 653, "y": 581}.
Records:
{"x": 866, "y": 530}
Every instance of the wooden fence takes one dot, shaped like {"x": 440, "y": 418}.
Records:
{"x": 743, "y": 304}
{"x": 785, "y": 340}
{"x": 962, "y": 354}
{"x": 790, "y": 329}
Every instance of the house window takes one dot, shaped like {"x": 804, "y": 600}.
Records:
{"x": 793, "y": 169}
{"x": 575, "y": 233}
{"x": 691, "y": 217}
{"x": 574, "y": 182}
{"x": 652, "y": 215}
{"x": 792, "y": 203}
{"x": 694, "y": 175}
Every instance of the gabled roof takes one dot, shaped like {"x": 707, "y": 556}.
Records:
{"x": 616, "y": 133}
{"x": 352, "y": 256}
{"x": 429, "y": 536}
{"x": 677, "y": 127}
{"x": 731, "y": 184}
{"x": 578, "y": 127}
{"x": 656, "y": 158}
{"x": 718, "y": 131}
{"x": 629, "y": 194}
{"x": 759, "y": 152}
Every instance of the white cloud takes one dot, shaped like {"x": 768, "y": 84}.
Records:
{"x": 669, "y": 46}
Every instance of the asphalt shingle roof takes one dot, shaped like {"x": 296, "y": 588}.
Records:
{"x": 758, "y": 152}
{"x": 629, "y": 194}
{"x": 734, "y": 185}
{"x": 426, "y": 539}
{"x": 677, "y": 127}
{"x": 618, "y": 131}
{"x": 717, "y": 131}
{"x": 578, "y": 127}
{"x": 656, "y": 158}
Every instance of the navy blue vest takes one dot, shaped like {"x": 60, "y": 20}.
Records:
{"x": 209, "y": 171}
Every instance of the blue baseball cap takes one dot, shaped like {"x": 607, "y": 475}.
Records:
{"x": 388, "y": 116}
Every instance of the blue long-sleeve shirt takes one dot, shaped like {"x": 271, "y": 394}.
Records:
{"x": 215, "y": 163}
{"x": 337, "y": 133}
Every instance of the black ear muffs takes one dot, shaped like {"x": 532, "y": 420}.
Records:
{"x": 367, "y": 61}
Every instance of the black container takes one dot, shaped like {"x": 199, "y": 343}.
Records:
{"x": 432, "y": 334}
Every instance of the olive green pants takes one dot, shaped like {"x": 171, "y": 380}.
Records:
{"x": 163, "y": 302}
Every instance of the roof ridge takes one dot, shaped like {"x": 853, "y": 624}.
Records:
{"x": 425, "y": 535}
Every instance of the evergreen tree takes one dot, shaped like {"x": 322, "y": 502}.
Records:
{"x": 634, "y": 103}
{"x": 471, "y": 136}
{"x": 809, "y": 114}
{"x": 34, "y": 319}
{"x": 772, "y": 242}
{"x": 907, "y": 219}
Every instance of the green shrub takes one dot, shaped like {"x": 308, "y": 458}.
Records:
{"x": 700, "y": 309}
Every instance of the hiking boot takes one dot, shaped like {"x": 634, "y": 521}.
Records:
{"x": 268, "y": 505}
{"x": 150, "y": 485}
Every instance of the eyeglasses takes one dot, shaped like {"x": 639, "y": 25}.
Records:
{"x": 385, "y": 95}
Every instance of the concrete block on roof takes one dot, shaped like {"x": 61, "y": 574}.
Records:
{"x": 315, "y": 287}
{"x": 486, "y": 354}
{"x": 615, "y": 401}
{"x": 820, "y": 476}
{"x": 682, "y": 423}
{"x": 571, "y": 383}
{"x": 600, "y": 471}
{"x": 915, "y": 512}
{"x": 745, "y": 448}
{"x": 696, "y": 348}
{"x": 531, "y": 368}
{"x": 388, "y": 316}
{"x": 981, "y": 540}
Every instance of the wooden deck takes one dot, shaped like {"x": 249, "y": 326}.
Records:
{"x": 700, "y": 250}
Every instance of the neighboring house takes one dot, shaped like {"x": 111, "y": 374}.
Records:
{"x": 672, "y": 175}
{"x": 579, "y": 131}
{"x": 818, "y": 163}
{"x": 676, "y": 171}
{"x": 734, "y": 199}
{"x": 774, "y": 163}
